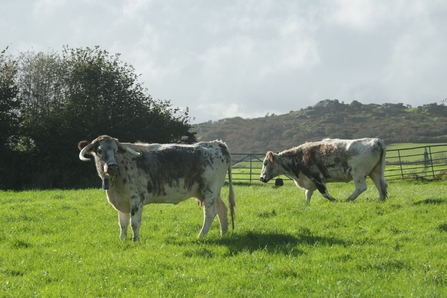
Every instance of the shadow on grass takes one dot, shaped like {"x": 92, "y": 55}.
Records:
{"x": 430, "y": 201}
{"x": 273, "y": 242}
{"x": 254, "y": 241}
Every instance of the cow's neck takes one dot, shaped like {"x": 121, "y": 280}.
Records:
{"x": 286, "y": 167}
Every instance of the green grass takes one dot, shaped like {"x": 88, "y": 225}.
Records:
{"x": 66, "y": 244}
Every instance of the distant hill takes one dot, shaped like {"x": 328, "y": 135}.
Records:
{"x": 394, "y": 123}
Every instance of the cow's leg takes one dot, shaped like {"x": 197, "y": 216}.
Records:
{"x": 123, "y": 222}
{"x": 135, "y": 221}
{"x": 209, "y": 211}
{"x": 222, "y": 213}
{"x": 309, "y": 193}
{"x": 380, "y": 183}
{"x": 321, "y": 186}
{"x": 308, "y": 185}
{"x": 360, "y": 186}
{"x": 328, "y": 196}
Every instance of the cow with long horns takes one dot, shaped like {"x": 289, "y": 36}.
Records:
{"x": 138, "y": 174}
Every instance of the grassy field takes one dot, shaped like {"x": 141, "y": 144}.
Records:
{"x": 66, "y": 244}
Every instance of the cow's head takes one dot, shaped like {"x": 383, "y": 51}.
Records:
{"x": 270, "y": 167}
{"x": 104, "y": 150}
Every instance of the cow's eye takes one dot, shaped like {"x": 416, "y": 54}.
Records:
{"x": 99, "y": 151}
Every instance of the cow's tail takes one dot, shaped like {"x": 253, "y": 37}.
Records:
{"x": 383, "y": 184}
{"x": 231, "y": 196}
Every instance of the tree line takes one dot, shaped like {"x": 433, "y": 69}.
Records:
{"x": 51, "y": 101}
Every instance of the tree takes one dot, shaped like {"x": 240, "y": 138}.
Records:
{"x": 107, "y": 98}
{"x": 9, "y": 104}
{"x": 9, "y": 121}
{"x": 79, "y": 95}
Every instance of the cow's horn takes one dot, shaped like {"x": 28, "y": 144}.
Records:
{"x": 130, "y": 150}
{"x": 83, "y": 151}
{"x": 133, "y": 152}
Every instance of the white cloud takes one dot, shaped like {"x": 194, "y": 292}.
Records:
{"x": 134, "y": 8}
{"x": 46, "y": 8}
{"x": 356, "y": 14}
{"x": 247, "y": 58}
{"x": 416, "y": 70}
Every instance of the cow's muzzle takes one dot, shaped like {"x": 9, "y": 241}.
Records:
{"x": 111, "y": 169}
{"x": 262, "y": 179}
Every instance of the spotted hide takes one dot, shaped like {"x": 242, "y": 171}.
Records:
{"x": 312, "y": 165}
{"x": 138, "y": 174}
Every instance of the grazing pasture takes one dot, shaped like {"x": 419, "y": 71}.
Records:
{"x": 65, "y": 243}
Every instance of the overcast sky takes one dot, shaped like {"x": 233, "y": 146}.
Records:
{"x": 248, "y": 58}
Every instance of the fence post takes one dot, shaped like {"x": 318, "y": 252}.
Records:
{"x": 251, "y": 166}
{"x": 431, "y": 163}
{"x": 400, "y": 165}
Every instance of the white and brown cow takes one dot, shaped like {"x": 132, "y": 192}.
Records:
{"x": 313, "y": 164}
{"x": 138, "y": 174}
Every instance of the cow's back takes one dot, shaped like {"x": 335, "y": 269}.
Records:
{"x": 171, "y": 173}
{"x": 334, "y": 159}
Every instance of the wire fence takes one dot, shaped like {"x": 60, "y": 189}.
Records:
{"x": 427, "y": 163}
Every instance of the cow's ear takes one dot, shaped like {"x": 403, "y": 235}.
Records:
{"x": 271, "y": 156}
{"x": 82, "y": 144}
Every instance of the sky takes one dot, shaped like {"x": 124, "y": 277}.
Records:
{"x": 251, "y": 58}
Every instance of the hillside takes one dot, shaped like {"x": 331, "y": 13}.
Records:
{"x": 394, "y": 123}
